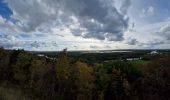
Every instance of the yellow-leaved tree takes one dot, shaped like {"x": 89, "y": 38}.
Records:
{"x": 62, "y": 73}
{"x": 84, "y": 80}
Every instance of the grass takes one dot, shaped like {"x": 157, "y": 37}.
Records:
{"x": 11, "y": 93}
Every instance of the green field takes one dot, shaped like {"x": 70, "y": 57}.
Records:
{"x": 139, "y": 62}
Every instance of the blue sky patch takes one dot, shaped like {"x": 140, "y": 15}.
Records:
{"x": 5, "y": 11}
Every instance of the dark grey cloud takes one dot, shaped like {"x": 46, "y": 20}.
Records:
{"x": 38, "y": 44}
{"x": 100, "y": 47}
{"x": 125, "y": 5}
{"x": 107, "y": 47}
{"x": 9, "y": 41}
{"x": 164, "y": 31}
{"x": 155, "y": 42}
{"x": 59, "y": 35}
{"x": 152, "y": 43}
{"x": 98, "y": 19}
{"x": 35, "y": 44}
{"x": 94, "y": 47}
{"x": 132, "y": 41}
{"x": 54, "y": 44}
{"x": 132, "y": 28}
{"x": 75, "y": 46}
{"x": 101, "y": 20}
{"x": 6, "y": 44}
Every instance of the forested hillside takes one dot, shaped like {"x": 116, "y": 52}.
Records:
{"x": 24, "y": 75}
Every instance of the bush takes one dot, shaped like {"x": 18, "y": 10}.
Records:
{"x": 156, "y": 80}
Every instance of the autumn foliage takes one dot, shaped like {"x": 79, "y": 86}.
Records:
{"x": 67, "y": 79}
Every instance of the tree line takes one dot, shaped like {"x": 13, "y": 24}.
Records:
{"x": 67, "y": 79}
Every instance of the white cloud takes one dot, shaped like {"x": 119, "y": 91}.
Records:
{"x": 7, "y": 26}
{"x": 91, "y": 18}
{"x": 147, "y": 12}
{"x": 79, "y": 24}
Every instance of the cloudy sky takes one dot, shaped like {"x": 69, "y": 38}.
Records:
{"x": 49, "y": 25}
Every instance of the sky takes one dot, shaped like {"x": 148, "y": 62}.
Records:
{"x": 52, "y": 25}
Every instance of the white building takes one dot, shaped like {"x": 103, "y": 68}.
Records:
{"x": 154, "y": 52}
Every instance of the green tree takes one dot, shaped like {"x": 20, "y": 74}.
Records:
{"x": 5, "y": 69}
{"x": 131, "y": 72}
{"x": 38, "y": 69}
{"x": 102, "y": 80}
{"x": 111, "y": 83}
{"x": 14, "y": 54}
{"x": 118, "y": 88}
{"x": 42, "y": 82}
{"x": 22, "y": 67}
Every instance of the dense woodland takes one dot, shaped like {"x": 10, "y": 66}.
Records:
{"x": 25, "y": 76}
